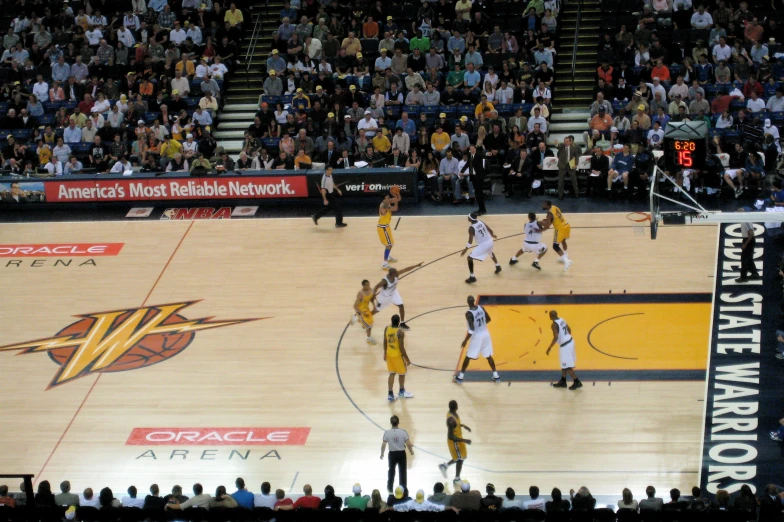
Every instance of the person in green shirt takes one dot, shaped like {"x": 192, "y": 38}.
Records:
{"x": 357, "y": 500}
{"x": 455, "y": 78}
{"x": 419, "y": 42}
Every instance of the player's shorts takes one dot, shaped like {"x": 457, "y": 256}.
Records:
{"x": 457, "y": 450}
{"x": 480, "y": 345}
{"x": 366, "y": 318}
{"x": 385, "y": 236}
{"x": 481, "y": 251}
{"x": 733, "y": 173}
{"x": 562, "y": 234}
{"x": 536, "y": 248}
{"x": 567, "y": 355}
{"x": 385, "y": 300}
{"x": 618, "y": 177}
{"x": 396, "y": 365}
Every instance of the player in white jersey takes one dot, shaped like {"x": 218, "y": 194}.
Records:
{"x": 385, "y": 292}
{"x": 484, "y": 245}
{"x": 562, "y": 335}
{"x": 481, "y": 344}
{"x": 532, "y": 242}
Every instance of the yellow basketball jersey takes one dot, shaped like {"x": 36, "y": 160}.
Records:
{"x": 385, "y": 219}
{"x": 393, "y": 343}
{"x": 458, "y": 431}
{"x": 364, "y": 305}
{"x": 558, "y": 219}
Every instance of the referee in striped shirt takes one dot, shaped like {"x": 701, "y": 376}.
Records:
{"x": 398, "y": 442}
{"x": 328, "y": 190}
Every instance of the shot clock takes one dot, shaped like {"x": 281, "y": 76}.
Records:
{"x": 684, "y": 153}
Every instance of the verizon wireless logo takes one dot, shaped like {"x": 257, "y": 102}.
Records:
{"x": 373, "y": 187}
{"x": 61, "y": 250}
{"x": 218, "y": 436}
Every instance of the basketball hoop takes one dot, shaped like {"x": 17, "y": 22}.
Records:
{"x": 697, "y": 213}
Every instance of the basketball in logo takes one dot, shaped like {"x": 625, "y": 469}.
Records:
{"x": 149, "y": 350}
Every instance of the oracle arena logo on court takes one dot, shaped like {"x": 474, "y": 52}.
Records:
{"x": 120, "y": 340}
{"x": 218, "y": 436}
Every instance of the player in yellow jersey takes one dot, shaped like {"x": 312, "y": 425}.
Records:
{"x": 563, "y": 232}
{"x": 385, "y": 210}
{"x": 362, "y": 311}
{"x": 455, "y": 441}
{"x": 396, "y": 358}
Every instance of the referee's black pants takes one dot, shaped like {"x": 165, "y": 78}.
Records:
{"x": 396, "y": 459}
{"x": 331, "y": 206}
{"x": 747, "y": 261}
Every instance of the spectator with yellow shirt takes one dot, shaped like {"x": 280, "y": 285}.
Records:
{"x": 169, "y": 148}
{"x": 234, "y": 17}
{"x": 440, "y": 142}
{"x": 381, "y": 142}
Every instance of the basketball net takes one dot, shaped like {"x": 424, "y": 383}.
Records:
{"x": 695, "y": 212}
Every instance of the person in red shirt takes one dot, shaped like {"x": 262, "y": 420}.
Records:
{"x": 662, "y": 72}
{"x": 308, "y": 501}
{"x": 5, "y": 500}
{"x": 605, "y": 72}
{"x": 752, "y": 85}
{"x": 282, "y": 502}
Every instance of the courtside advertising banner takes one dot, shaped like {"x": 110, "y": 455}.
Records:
{"x": 172, "y": 189}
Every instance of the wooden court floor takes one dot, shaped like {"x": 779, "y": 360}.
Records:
{"x": 299, "y": 366}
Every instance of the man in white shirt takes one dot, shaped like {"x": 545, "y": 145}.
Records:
{"x": 98, "y": 20}
{"x": 41, "y": 88}
{"x": 368, "y": 124}
{"x": 504, "y": 94}
{"x": 202, "y": 117}
{"x": 132, "y": 500}
{"x": 510, "y": 501}
{"x": 54, "y": 167}
{"x": 121, "y": 167}
{"x": 722, "y": 51}
{"x": 419, "y": 503}
{"x": 313, "y": 48}
{"x": 537, "y": 118}
{"x": 701, "y": 19}
{"x": 383, "y": 62}
{"x": 217, "y": 69}
{"x": 265, "y": 499}
{"x": 93, "y": 36}
{"x": 177, "y": 35}
{"x": 655, "y": 136}
{"x": 180, "y": 84}
{"x": 776, "y": 103}
{"x": 536, "y": 501}
{"x": 755, "y": 103}
{"x": 87, "y": 499}
{"x": 125, "y": 36}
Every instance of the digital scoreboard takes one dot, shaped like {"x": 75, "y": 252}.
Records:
{"x": 684, "y": 153}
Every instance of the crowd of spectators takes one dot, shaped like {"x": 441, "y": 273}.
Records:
{"x": 391, "y": 84}
{"x": 665, "y": 61}
{"x": 766, "y": 507}
{"x": 100, "y": 86}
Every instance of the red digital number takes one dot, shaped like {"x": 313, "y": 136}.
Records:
{"x": 685, "y": 159}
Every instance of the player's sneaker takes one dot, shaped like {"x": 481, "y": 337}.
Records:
{"x": 354, "y": 319}
{"x": 576, "y": 384}
{"x": 404, "y": 326}
{"x": 457, "y": 480}
{"x": 497, "y": 379}
{"x": 443, "y": 467}
{"x": 738, "y": 192}
{"x": 391, "y": 398}
{"x": 385, "y": 266}
{"x": 567, "y": 264}
{"x": 560, "y": 259}
{"x": 371, "y": 341}
{"x": 497, "y": 269}
{"x": 535, "y": 264}
{"x": 514, "y": 261}
{"x": 471, "y": 280}
{"x": 458, "y": 380}
{"x": 391, "y": 259}
{"x": 406, "y": 395}
{"x": 315, "y": 219}
{"x": 560, "y": 384}
{"x": 773, "y": 436}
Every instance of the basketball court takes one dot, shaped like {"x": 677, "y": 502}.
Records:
{"x": 177, "y": 351}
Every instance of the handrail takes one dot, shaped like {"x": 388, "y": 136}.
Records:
{"x": 574, "y": 44}
{"x": 252, "y": 45}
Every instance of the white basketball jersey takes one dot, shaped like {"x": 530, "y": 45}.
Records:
{"x": 391, "y": 286}
{"x": 563, "y": 332}
{"x": 533, "y": 234}
{"x": 481, "y": 234}
{"x": 480, "y": 320}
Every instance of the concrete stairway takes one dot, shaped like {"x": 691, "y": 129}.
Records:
{"x": 576, "y": 93}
